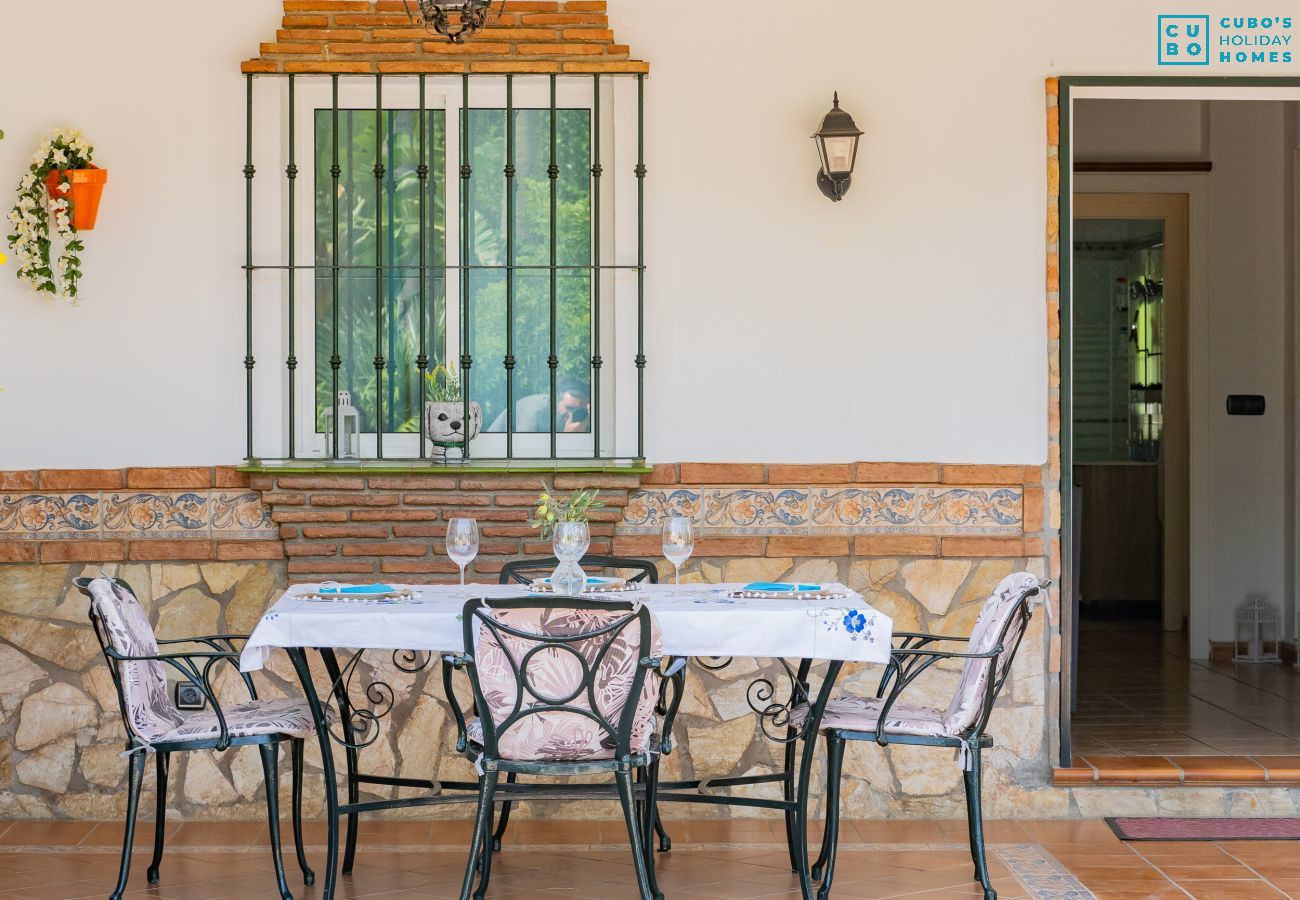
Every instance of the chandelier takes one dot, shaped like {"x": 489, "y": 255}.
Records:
{"x": 456, "y": 20}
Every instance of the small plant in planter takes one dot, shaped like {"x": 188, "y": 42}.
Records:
{"x": 444, "y": 412}
{"x": 552, "y": 510}
{"x": 63, "y": 186}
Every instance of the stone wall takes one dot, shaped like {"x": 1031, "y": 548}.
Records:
{"x": 62, "y": 735}
{"x": 925, "y": 543}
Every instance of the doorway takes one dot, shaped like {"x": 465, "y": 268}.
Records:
{"x": 1130, "y": 406}
{"x": 1178, "y": 289}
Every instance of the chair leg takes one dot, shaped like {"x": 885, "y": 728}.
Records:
{"x": 665, "y": 842}
{"x": 511, "y": 778}
{"x": 135, "y": 775}
{"x": 627, "y": 794}
{"x": 486, "y": 792}
{"x": 651, "y": 811}
{"x": 296, "y": 750}
{"x": 787, "y": 794}
{"x": 975, "y": 817}
{"x": 485, "y": 864}
{"x": 831, "y": 839}
{"x": 270, "y": 770}
{"x": 163, "y": 764}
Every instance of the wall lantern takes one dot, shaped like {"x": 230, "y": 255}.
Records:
{"x": 837, "y": 144}
{"x": 456, "y": 20}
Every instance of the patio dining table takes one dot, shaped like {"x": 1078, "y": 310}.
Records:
{"x": 710, "y": 622}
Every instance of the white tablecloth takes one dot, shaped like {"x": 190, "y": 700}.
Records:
{"x": 703, "y": 621}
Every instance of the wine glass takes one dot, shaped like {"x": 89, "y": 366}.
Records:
{"x": 679, "y": 544}
{"x": 570, "y": 541}
{"x": 462, "y": 544}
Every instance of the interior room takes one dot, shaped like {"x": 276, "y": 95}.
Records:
{"x": 1183, "y": 285}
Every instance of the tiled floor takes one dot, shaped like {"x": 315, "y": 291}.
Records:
{"x": 711, "y": 859}
{"x": 1141, "y": 695}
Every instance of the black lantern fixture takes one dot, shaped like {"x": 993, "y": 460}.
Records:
{"x": 456, "y": 20}
{"x": 837, "y": 144}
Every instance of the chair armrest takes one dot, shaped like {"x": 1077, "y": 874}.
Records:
{"x": 451, "y": 663}
{"x": 196, "y": 667}
{"x": 222, "y": 642}
{"x": 920, "y": 639}
{"x": 905, "y": 666}
{"x": 675, "y": 677}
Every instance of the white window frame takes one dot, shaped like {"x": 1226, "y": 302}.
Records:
{"x": 618, "y": 238}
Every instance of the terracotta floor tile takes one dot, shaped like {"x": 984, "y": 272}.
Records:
{"x": 1280, "y": 768}
{"x": 1235, "y": 889}
{"x": 47, "y": 834}
{"x": 1134, "y": 769}
{"x": 912, "y": 859}
{"x": 1218, "y": 768}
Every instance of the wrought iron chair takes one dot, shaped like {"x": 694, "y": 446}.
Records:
{"x": 524, "y": 571}
{"x": 991, "y": 648}
{"x": 154, "y": 724}
{"x": 568, "y": 689}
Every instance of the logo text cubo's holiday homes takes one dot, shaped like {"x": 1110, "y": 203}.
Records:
{"x": 1199, "y": 40}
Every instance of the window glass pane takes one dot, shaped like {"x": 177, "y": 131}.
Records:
{"x": 359, "y": 237}
{"x": 532, "y": 254}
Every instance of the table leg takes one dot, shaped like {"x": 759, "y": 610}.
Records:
{"x": 300, "y": 664}
{"x": 812, "y": 728}
{"x": 350, "y": 752}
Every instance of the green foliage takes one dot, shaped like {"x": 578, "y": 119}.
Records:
{"x": 33, "y": 238}
{"x": 551, "y": 509}
{"x": 397, "y": 234}
{"x": 446, "y": 389}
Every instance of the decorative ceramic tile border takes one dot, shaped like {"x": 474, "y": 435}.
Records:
{"x": 874, "y": 509}
{"x": 1042, "y": 874}
{"x": 198, "y": 514}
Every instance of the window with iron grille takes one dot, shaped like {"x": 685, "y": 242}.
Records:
{"x": 488, "y": 225}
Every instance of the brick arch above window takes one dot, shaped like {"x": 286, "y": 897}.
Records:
{"x": 376, "y": 37}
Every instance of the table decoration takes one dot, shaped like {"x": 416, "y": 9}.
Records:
{"x": 566, "y": 523}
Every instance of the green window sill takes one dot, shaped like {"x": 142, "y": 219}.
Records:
{"x": 455, "y": 467}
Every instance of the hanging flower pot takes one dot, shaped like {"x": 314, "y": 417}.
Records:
{"x": 87, "y": 189}
{"x": 47, "y": 215}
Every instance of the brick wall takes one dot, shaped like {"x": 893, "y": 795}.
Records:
{"x": 377, "y": 37}
{"x": 348, "y": 526}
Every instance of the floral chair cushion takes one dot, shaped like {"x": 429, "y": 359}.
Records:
{"x": 556, "y": 675}
{"x": 283, "y": 715}
{"x": 965, "y": 708}
{"x": 150, "y": 713}
{"x": 863, "y": 714}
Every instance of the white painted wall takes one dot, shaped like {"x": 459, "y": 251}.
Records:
{"x": 1137, "y": 130}
{"x": 904, "y": 323}
{"x": 1244, "y": 468}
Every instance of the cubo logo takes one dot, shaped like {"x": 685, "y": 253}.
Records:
{"x": 1184, "y": 41}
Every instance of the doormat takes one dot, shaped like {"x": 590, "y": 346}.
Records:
{"x": 1136, "y": 829}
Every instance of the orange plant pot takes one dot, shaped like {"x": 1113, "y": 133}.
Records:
{"x": 87, "y": 189}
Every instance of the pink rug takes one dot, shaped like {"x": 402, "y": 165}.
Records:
{"x": 1135, "y": 829}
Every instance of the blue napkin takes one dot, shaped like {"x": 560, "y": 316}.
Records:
{"x": 777, "y": 586}
{"x": 591, "y": 579}
{"x": 358, "y": 589}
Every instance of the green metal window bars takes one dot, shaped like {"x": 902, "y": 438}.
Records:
{"x": 387, "y": 269}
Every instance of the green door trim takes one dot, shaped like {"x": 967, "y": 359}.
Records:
{"x": 1065, "y": 196}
